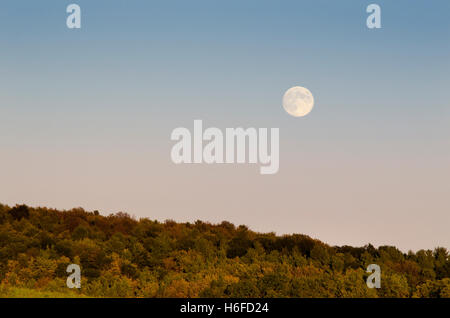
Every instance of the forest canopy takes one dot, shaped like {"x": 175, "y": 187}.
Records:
{"x": 121, "y": 256}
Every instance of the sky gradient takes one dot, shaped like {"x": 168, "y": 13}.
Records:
{"x": 86, "y": 115}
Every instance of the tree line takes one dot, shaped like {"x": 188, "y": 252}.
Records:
{"x": 121, "y": 256}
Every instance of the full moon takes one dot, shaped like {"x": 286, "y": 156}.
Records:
{"x": 298, "y": 101}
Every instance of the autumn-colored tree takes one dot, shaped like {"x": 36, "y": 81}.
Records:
{"x": 121, "y": 256}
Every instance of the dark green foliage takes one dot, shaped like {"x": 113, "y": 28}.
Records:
{"x": 19, "y": 211}
{"x": 121, "y": 256}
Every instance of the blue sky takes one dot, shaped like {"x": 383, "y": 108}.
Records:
{"x": 86, "y": 115}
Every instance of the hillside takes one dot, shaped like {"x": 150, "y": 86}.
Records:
{"x": 123, "y": 257}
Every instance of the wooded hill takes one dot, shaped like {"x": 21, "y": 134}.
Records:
{"x": 124, "y": 257}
